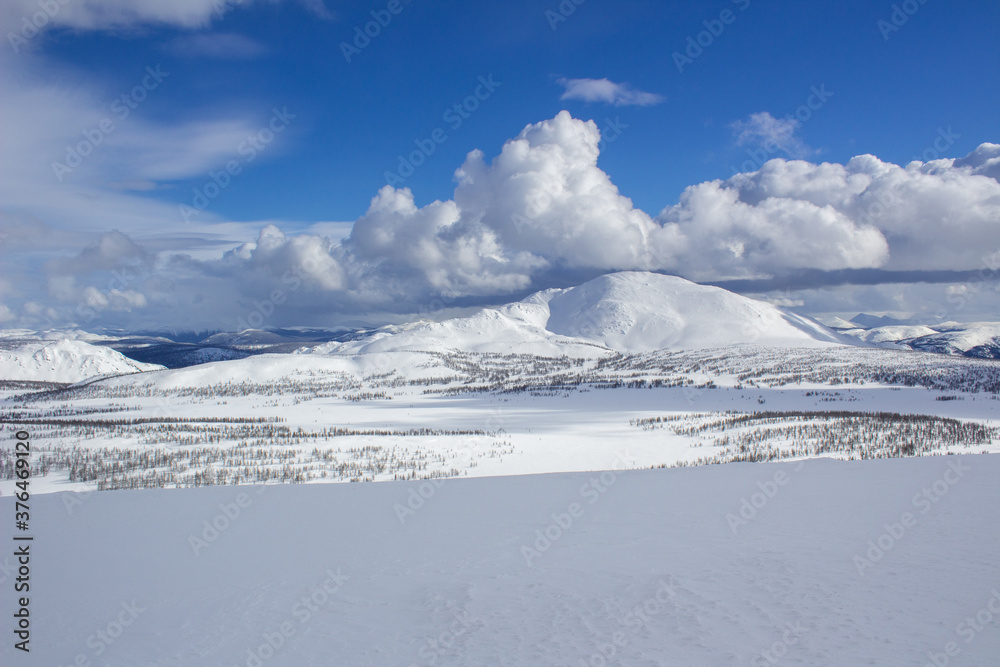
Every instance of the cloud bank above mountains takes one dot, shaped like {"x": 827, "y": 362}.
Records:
{"x": 538, "y": 212}
{"x": 543, "y": 206}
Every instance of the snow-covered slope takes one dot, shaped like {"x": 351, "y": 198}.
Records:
{"x": 837, "y": 322}
{"x": 976, "y": 339}
{"x": 891, "y": 334}
{"x": 62, "y": 361}
{"x": 815, "y": 563}
{"x": 638, "y": 311}
{"x": 633, "y": 311}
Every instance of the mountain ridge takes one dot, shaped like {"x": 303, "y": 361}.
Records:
{"x": 628, "y": 311}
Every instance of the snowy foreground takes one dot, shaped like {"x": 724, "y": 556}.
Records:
{"x": 818, "y": 562}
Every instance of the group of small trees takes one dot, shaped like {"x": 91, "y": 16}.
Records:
{"x": 768, "y": 436}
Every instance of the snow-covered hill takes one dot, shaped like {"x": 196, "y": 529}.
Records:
{"x": 633, "y": 311}
{"x": 639, "y": 311}
{"x": 890, "y": 334}
{"x": 976, "y": 339}
{"x": 815, "y": 563}
{"x": 62, "y": 361}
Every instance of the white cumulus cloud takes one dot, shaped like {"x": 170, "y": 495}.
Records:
{"x": 542, "y": 210}
{"x": 609, "y": 92}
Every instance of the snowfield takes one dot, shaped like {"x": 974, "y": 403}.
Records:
{"x": 820, "y": 562}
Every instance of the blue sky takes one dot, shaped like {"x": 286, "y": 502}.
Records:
{"x": 894, "y": 79}
{"x": 354, "y": 119}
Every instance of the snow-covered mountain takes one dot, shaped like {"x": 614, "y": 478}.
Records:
{"x": 975, "y": 339}
{"x": 633, "y": 311}
{"x": 640, "y": 311}
{"x": 63, "y": 360}
{"x": 891, "y": 334}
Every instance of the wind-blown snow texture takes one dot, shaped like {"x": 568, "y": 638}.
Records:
{"x": 648, "y": 567}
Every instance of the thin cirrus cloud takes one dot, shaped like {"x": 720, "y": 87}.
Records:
{"x": 607, "y": 91}
{"x": 220, "y": 46}
{"x": 773, "y": 134}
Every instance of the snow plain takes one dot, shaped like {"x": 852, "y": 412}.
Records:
{"x": 836, "y": 563}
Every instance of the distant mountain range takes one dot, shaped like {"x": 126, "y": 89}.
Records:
{"x": 627, "y": 312}
{"x": 974, "y": 339}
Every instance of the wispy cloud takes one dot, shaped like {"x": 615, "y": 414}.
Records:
{"x": 223, "y": 46}
{"x": 607, "y": 91}
{"x": 126, "y": 15}
{"x": 774, "y": 134}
